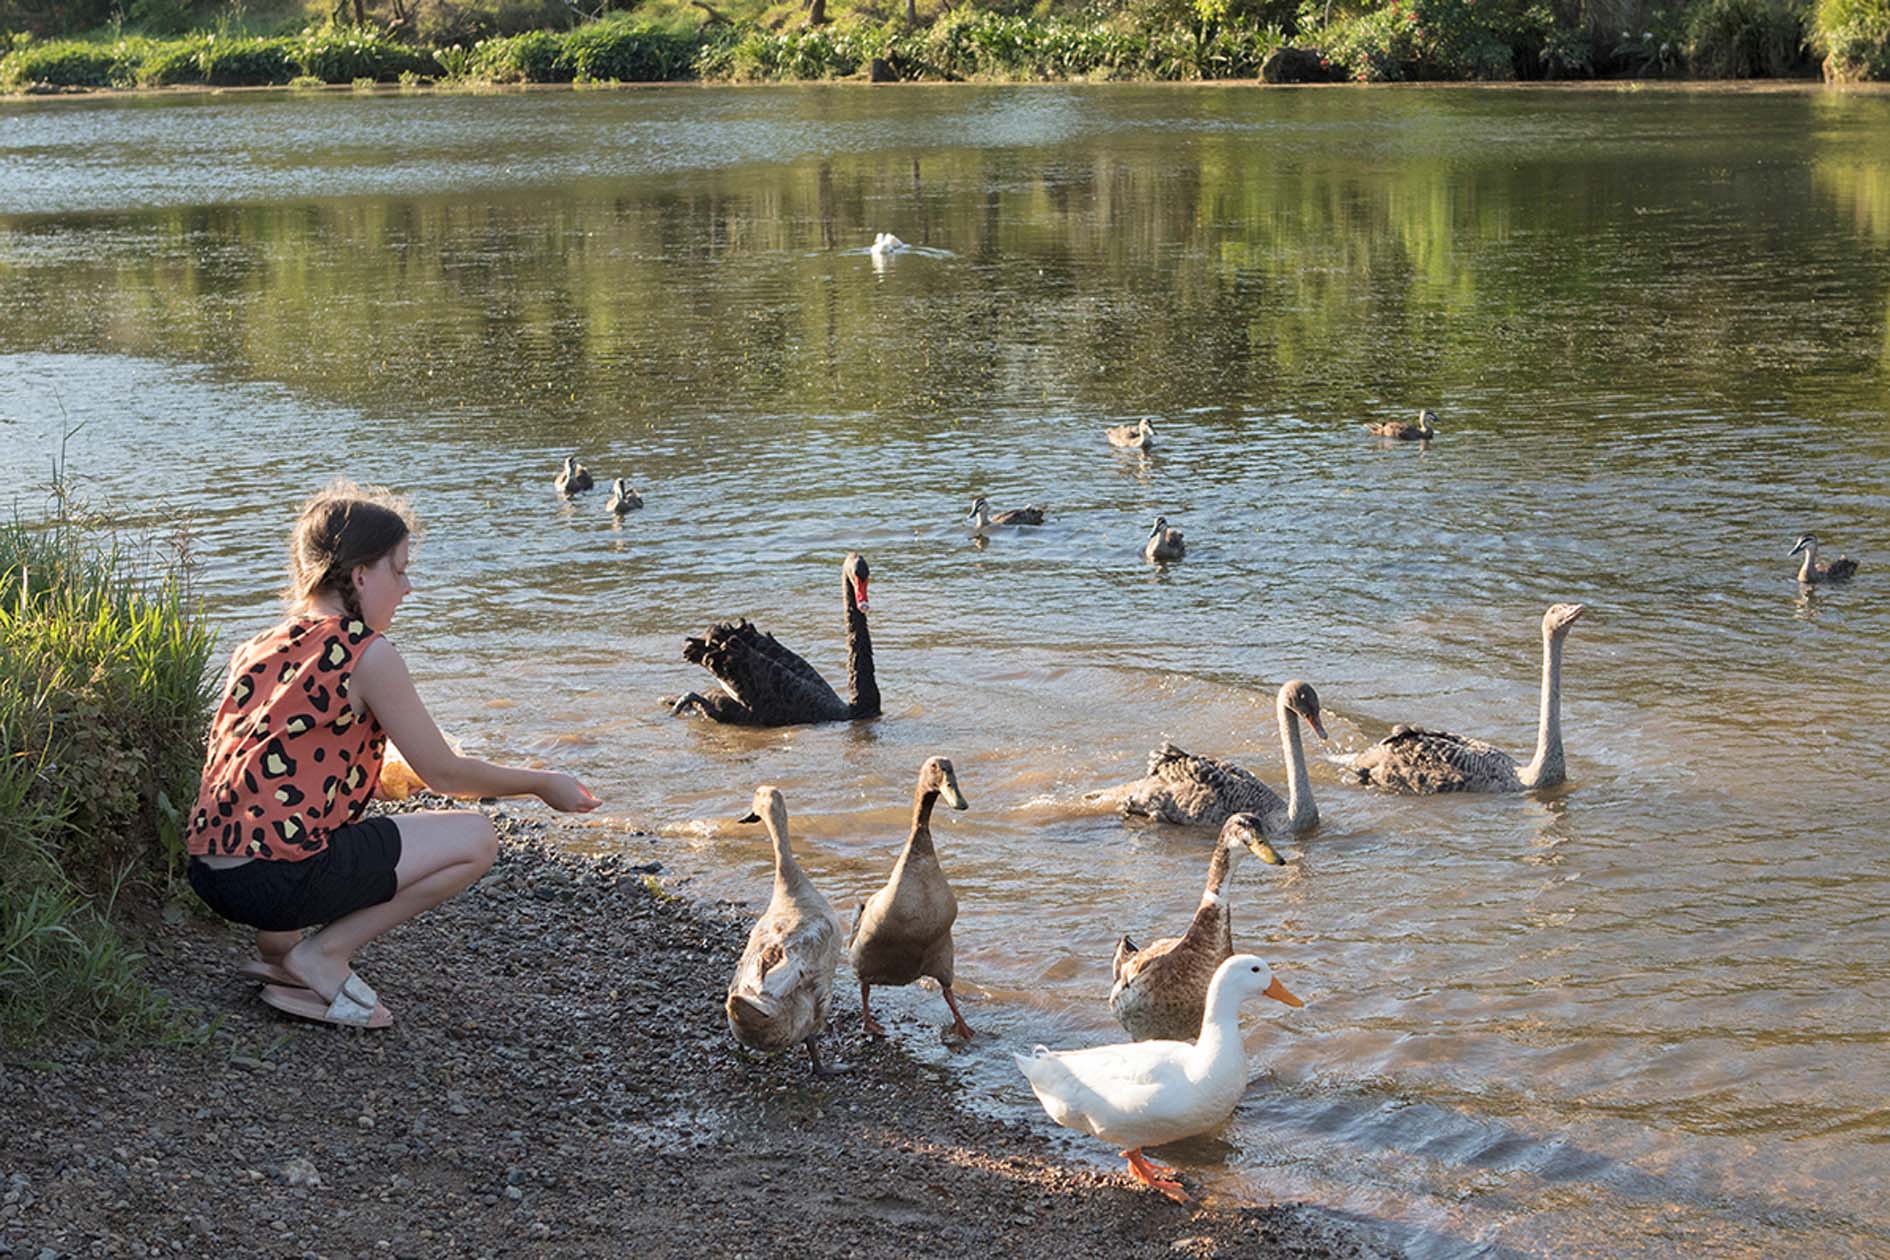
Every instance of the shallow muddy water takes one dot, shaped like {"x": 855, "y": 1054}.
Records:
{"x": 1641, "y": 1015}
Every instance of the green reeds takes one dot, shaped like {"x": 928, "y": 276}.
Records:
{"x": 103, "y": 695}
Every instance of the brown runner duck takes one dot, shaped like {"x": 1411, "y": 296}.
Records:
{"x": 1161, "y": 991}
{"x": 783, "y": 985}
{"x": 904, "y": 930}
{"x": 1816, "y": 570}
{"x": 1412, "y": 759}
{"x": 766, "y": 684}
{"x": 1193, "y": 791}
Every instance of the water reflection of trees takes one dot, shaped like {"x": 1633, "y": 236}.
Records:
{"x": 1231, "y": 269}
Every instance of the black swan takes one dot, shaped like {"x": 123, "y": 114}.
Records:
{"x": 766, "y": 684}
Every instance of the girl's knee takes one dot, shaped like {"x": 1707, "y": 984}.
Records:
{"x": 485, "y": 843}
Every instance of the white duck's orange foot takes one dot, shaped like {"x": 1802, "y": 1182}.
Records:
{"x": 1149, "y": 1173}
{"x": 1148, "y": 1162}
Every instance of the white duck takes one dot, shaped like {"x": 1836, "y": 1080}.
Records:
{"x": 1146, "y": 1093}
{"x": 886, "y": 243}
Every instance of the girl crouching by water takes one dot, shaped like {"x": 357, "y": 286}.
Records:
{"x": 277, "y": 840}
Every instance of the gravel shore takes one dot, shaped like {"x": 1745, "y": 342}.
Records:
{"x": 559, "y": 1081}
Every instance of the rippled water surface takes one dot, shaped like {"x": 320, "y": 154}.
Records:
{"x": 1641, "y": 1015}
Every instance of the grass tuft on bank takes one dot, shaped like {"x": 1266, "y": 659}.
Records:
{"x": 103, "y": 699}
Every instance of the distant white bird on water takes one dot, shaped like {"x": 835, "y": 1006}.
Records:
{"x": 886, "y": 243}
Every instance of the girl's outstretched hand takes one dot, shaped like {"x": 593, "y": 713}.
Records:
{"x": 562, "y": 792}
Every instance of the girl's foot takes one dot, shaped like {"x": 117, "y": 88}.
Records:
{"x": 306, "y": 965}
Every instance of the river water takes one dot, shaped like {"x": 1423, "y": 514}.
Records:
{"x": 1640, "y": 1015}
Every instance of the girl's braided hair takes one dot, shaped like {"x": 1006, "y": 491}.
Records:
{"x": 342, "y": 526}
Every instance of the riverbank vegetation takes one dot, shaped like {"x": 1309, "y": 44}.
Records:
{"x": 102, "y": 712}
{"x": 159, "y": 43}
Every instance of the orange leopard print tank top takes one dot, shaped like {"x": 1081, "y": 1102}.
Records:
{"x": 288, "y": 759}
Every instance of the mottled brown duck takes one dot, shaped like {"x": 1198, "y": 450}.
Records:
{"x": 766, "y": 684}
{"x": 1813, "y": 569}
{"x": 904, "y": 930}
{"x": 1412, "y": 759}
{"x": 982, "y": 517}
{"x": 783, "y": 986}
{"x": 1140, "y": 437}
{"x": 1423, "y": 429}
{"x": 1161, "y": 990}
{"x": 1193, "y": 791}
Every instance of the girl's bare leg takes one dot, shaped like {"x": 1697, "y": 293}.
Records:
{"x": 440, "y": 854}
{"x": 275, "y": 946}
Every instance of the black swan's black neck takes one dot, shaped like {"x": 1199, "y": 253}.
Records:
{"x": 860, "y": 680}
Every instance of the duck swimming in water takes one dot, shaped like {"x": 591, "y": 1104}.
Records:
{"x": 1139, "y": 437}
{"x": 1816, "y": 570}
{"x": 573, "y": 477}
{"x": 623, "y": 499}
{"x": 1163, "y": 543}
{"x": 1422, "y": 430}
{"x": 982, "y": 517}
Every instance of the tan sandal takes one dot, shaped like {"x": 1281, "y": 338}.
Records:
{"x": 354, "y": 1004}
{"x": 268, "y": 973}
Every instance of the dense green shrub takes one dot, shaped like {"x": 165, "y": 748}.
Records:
{"x": 180, "y": 61}
{"x": 246, "y": 62}
{"x": 1420, "y": 39}
{"x": 534, "y": 57}
{"x": 632, "y": 52}
{"x": 1371, "y": 40}
{"x": 337, "y": 55}
{"x": 814, "y": 53}
{"x": 1855, "y": 37}
{"x": 102, "y": 668}
{"x": 1739, "y": 39}
{"x": 102, "y": 714}
{"x": 67, "y": 63}
{"x": 968, "y": 43}
{"x": 1544, "y": 46}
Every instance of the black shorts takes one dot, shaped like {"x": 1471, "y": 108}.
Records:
{"x": 354, "y": 872}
